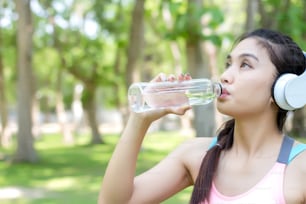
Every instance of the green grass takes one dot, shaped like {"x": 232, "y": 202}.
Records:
{"x": 73, "y": 174}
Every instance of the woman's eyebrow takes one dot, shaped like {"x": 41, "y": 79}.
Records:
{"x": 244, "y": 55}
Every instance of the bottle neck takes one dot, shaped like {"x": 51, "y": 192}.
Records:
{"x": 217, "y": 88}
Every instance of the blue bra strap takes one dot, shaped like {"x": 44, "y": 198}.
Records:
{"x": 286, "y": 146}
{"x": 213, "y": 142}
{"x": 296, "y": 150}
{"x": 285, "y": 150}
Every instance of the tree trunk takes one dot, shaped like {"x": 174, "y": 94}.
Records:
{"x": 174, "y": 47}
{"x": 204, "y": 116}
{"x": 269, "y": 17}
{"x": 299, "y": 123}
{"x": 36, "y": 127}
{"x": 77, "y": 108}
{"x": 61, "y": 113}
{"x": 135, "y": 41}
{"x": 211, "y": 52}
{"x": 25, "y": 142}
{"x": 60, "y": 107}
{"x": 251, "y": 11}
{"x": 185, "y": 120}
{"x": 91, "y": 110}
{"x": 5, "y": 136}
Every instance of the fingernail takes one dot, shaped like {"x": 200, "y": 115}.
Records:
{"x": 163, "y": 77}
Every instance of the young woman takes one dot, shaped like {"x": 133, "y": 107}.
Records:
{"x": 252, "y": 160}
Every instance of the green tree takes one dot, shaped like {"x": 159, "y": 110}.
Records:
{"x": 25, "y": 141}
{"x": 189, "y": 26}
{"x": 8, "y": 71}
{"x": 3, "y": 100}
{"x": 90, "y": 72}
{"x": 49, "y": 46}
{"x": 116, "y": 24}
{"x": 81, "y": 55}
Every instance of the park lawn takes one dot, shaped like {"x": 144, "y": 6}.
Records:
{"x": 73, "y": 174}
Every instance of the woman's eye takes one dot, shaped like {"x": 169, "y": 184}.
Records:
{"x": 227, "y": 64}
{"x": 245, "y": 65}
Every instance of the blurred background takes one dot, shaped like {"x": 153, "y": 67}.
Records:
{"x": 66, "y": 65}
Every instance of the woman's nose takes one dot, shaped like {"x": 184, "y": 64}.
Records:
{"x": 227, "y": 77}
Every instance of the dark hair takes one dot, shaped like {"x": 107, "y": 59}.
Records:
{"x": 287, "y": 57}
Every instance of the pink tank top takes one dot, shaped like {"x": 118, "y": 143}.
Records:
{"x": 269, "y": 190}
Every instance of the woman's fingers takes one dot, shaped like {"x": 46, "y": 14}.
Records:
{"x": 161, "y": 77}
{"x": 184, "y": 77}
{"x": 171, "y": 77}
{"x": 187, "y": 76}
{"x": 181, "y": 110}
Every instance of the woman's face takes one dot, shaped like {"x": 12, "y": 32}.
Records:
{"x": 247, "y": 80}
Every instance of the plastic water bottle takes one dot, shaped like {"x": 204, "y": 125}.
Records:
{"x": 145, "y": 96}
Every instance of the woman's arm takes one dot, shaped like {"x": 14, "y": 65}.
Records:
{"x": 119, "y": 185}
{"x": 304, "y": 175}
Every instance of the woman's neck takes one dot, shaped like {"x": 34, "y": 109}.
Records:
{"x": 256, "y": 136}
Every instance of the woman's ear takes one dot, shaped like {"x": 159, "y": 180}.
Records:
{"x": 273, "y": 103}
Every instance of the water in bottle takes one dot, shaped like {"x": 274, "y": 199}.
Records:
{"x": 145, "y": 96}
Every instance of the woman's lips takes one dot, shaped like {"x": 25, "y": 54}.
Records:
{"x": 224, "y": 93}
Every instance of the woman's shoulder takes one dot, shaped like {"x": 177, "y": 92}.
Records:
{"x": 196, "y": 144}
{"x": 193, "y": 148}
{"x": 296, "y": 171}
{"x": 297, "y": 159}
{"x": 192, "y": 153}
{"x": 298, "y": 153}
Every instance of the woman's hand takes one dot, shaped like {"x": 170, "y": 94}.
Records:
{"x": 170, "y": 103}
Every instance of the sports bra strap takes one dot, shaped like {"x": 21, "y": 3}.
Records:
{"x": 213, "y": 142}
{"x": 285, "y": 150}
{"x": 296, "y": 150}
{"x": 287, "y": 153}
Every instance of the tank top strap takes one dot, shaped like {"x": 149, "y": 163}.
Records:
{"x": 285, "y": 150}
{"x": 296, "y": 150}
{"x": 213, "y": 142}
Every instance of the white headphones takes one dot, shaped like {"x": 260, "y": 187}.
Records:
{"x": 290, "y": 91}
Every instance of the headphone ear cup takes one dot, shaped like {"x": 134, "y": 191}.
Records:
{"x": 278, "y": 91}
{"x": 273, "y": 87}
